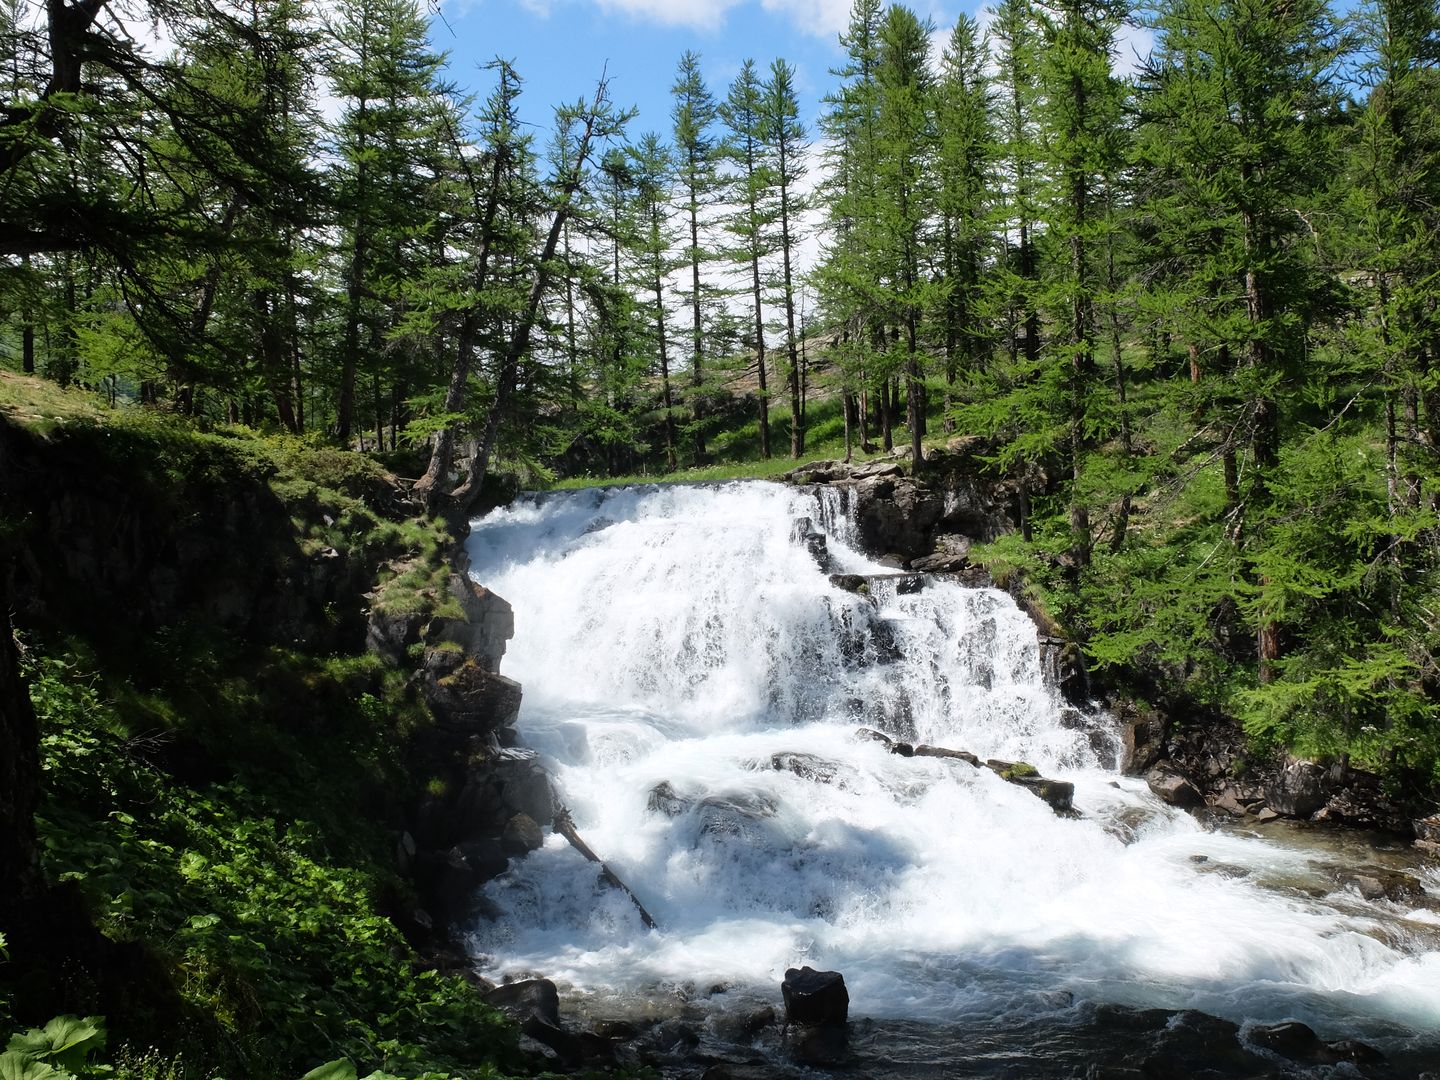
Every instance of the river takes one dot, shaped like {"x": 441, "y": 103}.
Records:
{"x": 694, "y": 681}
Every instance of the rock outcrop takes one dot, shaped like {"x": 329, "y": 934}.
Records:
{"x": 815, "y": 998}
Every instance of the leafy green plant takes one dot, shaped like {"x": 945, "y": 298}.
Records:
{"x": 58, "y": 1051}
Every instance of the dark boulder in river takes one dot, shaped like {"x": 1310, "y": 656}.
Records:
{"x": 815, "y": 998}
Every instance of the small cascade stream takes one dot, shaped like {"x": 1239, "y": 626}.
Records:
{"x": 694, "y": 682}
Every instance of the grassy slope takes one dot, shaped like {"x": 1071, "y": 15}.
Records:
{"x": 226, "y": 809}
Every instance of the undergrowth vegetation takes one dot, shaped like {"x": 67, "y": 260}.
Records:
{"x": 225, "y": 808}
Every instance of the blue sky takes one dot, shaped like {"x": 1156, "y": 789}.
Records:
{"x": 559, "y": 47}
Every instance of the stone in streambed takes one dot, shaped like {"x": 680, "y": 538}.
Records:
{"x": 1298, "y": 1042}
{"x": 1173, "y": 788}
{"x": 1300, "y": 789}
{"x": 815, "y": 998}
{"x": 664, "y": 799}
{"x": 806, "y": 766}
{"x": 1059, "y": 794}
{"x": 526, "y": 998}
{"x": 942, "y": 752}
{"x": 522, "y": 835}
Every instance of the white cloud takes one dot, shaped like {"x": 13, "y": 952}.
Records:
{"x": 697, "y": 14}
{"x": 823, "y": 18}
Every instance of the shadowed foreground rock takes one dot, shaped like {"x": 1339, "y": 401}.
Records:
{"x": 815, "y": 998}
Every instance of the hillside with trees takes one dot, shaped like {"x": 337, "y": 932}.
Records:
{"x": 1186, "y": 304}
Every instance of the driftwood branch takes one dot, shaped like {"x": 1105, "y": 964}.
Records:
{"x": 565, "y": 826}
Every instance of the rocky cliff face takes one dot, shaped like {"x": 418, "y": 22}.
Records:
{"x": 924, "y": 523}
{"x": 101, "y": 538}
{"x": 482, "y": 799}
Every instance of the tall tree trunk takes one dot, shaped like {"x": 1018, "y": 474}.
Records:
{"x": 27, "y": 331}
{"x": 671, "y": 460}
{"x": 697, "y": 330}
{"x": 759, "y": 343}
{"x": 787, "y": 240}
{"x": 442, "y": 447}
{"x": 469, "y": 492}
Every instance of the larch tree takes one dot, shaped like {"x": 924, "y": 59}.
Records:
{"x": 785, "y": 137}
{"x": 964, "y": 164}
{"x": 697, "y": 176}
{"x": 905, "y": 193}
{"x": 752, "y": 216}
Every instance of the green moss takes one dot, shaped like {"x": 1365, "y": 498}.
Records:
{"x": 1019, "y": 771}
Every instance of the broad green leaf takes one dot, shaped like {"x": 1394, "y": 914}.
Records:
{"x": 65, "y": 1040}
{"x": 16, "y": 1065}
{"x": 341, "y": 1069}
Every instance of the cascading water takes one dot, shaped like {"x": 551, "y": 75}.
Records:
{"x": 694, "y": 681}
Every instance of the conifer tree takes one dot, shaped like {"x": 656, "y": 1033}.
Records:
{"x": 693, "y": 114}
{"x": 784, "y": 135}
{"x": 964, "y": 165}
{"x": 653, "y": 167}
{"x": 1239, "y": 106}
{"x": 384, "y": 72}
{"x": 1082, "y": 133}
{"x": 905, "y": 193}
{"x": 847, "y": 274}
{"x": 753, "y": 216}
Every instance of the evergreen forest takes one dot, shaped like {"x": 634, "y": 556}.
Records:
{"x": 1186, "y": 303}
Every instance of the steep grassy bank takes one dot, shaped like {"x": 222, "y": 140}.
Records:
{"x": 223, "y": 762}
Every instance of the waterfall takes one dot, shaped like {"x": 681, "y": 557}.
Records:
{"x": 694, "y": 681}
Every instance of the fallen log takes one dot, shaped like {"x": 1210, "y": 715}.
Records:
{"x": 565, "y": 826}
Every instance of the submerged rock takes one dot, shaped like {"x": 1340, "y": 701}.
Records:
{"x": 664, "y": 799}
{"x": 806, "y": 766}
{"x": 815, "y": 998}
{"x": 804, "y": 534}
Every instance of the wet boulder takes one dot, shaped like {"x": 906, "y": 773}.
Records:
{"x": 733, "y": 814}
{"x": 522, "y": 835}
{"x": 904, "y": 749}
{"x": 1058, "y": 794}
{"x": 1298, "y": 1042}
{"x": 1299, "y": 789}
{"x": 924, "y": 750}
{"x": 939, "y": 563}
{"x": 1173, "y": 787}
{"x": 1376, "y": 884}
{"x": 806, "y": 766}
{"x": 815, "y": 998}
{"x": 664, "y": 799}
{"x": 803, "y": 533}
{"x": 526, "y": 998}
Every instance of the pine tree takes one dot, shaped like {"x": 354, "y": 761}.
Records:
{"x": 653, "y": 169}
{"x": 752, "y": 218}
{"x": 905, "y": 193}
{"x": 964, "y": 166}
{"x": 784, "y": 136}
{"x": 848, "y": 276}
{"x": 697, "y": 155}
{"x": 1238, "y": 104}
{"x": 1082, "y": 133}
{"x": 385, "y": 73}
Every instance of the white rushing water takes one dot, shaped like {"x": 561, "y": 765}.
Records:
{"x": 674, "y": 638}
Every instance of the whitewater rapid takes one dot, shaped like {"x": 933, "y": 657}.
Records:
{"x": 676, "y": 646}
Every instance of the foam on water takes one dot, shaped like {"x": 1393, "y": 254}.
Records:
{"x": 676, "y": 635}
